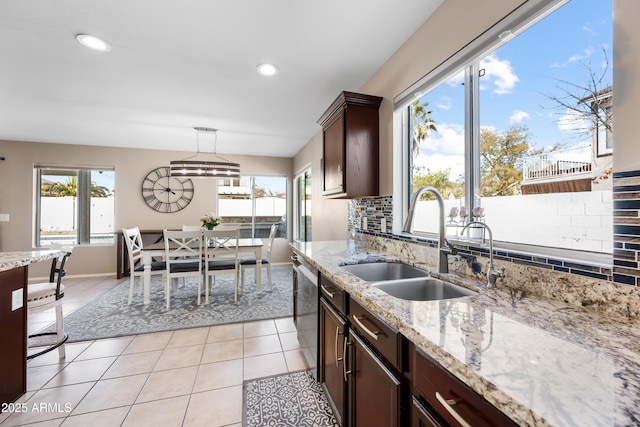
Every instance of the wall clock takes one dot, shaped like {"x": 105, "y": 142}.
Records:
{"x": 164, "y": 193}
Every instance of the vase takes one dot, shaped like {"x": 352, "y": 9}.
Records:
{"x": 209, "y": 226}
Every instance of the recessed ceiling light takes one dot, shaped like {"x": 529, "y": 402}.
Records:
{"x": 93, "y": 42}
{"x": 267, "y": 69}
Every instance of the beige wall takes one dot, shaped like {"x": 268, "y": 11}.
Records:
{"x": 131, "y": 165}
{"x": 328, "y": 216}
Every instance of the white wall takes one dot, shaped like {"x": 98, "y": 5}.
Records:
{"x": 580, "y": 221}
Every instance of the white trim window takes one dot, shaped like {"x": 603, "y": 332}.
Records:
{"x": 74, "y": 205}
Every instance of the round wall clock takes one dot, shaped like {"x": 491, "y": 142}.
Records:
{"x": 164, "y": 193}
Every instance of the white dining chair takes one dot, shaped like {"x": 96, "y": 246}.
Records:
{"x": 133, "y": 240}
{"x": 183, "y": 250}
{"x": 221, "y": 256}
{"x": 43, "y": 296}
{"x": 250, "y": 261}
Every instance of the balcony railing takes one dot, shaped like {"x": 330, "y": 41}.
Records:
{"x": 548, "y": 165}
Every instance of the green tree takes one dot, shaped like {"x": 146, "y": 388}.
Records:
{"x": 501, "y": 160}
{"x": 70, "y": 188}
{"x": 423, "y": 124}
{"x": 438, "y": 179}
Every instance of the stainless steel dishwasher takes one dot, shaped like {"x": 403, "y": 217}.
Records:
{"x": 305, "y": 278}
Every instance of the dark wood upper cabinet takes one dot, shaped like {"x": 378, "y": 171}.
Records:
{"x": 350, "y": 146}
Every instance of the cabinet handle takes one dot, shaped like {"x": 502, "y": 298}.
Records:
{"x": 335, "y": 348}
{"x": 448, "y": 405}
{"x": 331, "y": 294}
{"x": 344, "y": 353}
{"x": 372, "y": 334}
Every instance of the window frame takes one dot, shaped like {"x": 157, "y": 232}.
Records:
{"x": 468, "y": 59}
{"x": 83, "y": 194}
{"x": 252, "y": 179}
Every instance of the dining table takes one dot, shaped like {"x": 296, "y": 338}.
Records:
{"x": 157, "y": 250}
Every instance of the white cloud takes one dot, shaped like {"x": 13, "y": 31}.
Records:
{"x": 448, "y": 140}
{"x": 437, "y": 161}
{"x": 518, "y": 117}
{"x": 579, "y": 57}
{"x": 500, "y": 73}
{"x": 572, "y": 121}
{"x": 444, "y": 103}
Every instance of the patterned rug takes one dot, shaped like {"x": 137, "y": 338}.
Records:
{"x": 109, "y": 315}
{"x": 293, "y": 399}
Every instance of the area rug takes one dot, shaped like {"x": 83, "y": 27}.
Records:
{"x": 109, "y": 315}
{"x": 294, "y": 399}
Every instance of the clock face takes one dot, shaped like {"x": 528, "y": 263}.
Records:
{"x": 164, "y": 193}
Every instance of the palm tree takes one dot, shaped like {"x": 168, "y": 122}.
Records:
{"x": 70, "y": 188}
{"x": 423, "y": 124}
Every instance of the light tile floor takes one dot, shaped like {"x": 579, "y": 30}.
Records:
{"x": 189, "y": 377}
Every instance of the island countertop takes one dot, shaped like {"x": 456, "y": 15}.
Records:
{"x": 541, "y": 362}
{"x": 11, "y": 260}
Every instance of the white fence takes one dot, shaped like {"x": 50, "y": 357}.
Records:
{"x": 581, "y": 221}
{"x": 59, "y": 214}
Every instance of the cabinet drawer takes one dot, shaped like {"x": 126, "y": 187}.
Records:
{"x": 386, "y": 341}
{"x": 454, "y": 401}
{"x": 334, "y": 295}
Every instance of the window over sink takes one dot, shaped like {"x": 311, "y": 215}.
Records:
{"x": 516, "y": 130}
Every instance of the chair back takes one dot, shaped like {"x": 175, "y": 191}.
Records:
{"x": 133, "y": 240}
{"x": 221, "y": 243}
{"x": 272, "y": 236}
{"x": 181, "y": 247}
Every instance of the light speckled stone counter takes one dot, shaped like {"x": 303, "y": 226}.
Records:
{"x": 11, "y": 260}
{"x": 541, "y": 362}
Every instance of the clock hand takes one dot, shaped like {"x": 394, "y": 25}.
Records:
{"x": 167, "y": 189}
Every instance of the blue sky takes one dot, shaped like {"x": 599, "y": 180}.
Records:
{"x": 519, "y": 79}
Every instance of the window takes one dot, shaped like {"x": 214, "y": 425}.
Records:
{"x": 254, "y": 203}
{"x": 74, "y": 206}
{"x": 507, "y": 127}
{"x": 303, "y": 207}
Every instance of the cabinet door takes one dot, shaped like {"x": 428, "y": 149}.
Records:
{"x": 420, "y": 416}
{"x": 334, "y": 148}
{"x": 332, "y": 338}
{"x": 374, "y": 391}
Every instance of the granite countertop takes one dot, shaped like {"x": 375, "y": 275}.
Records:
{"x": 541, "y": 362}
{"x": 11, "y": 260}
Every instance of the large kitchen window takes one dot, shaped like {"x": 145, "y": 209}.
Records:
{"x": 254, "y": 203}
{"x": 516, "y": 130}
{"x": 74, "y": 206}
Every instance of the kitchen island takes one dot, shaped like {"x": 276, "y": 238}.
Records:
{"x": 13, "y": 318}
{"x": 540, "y": 362}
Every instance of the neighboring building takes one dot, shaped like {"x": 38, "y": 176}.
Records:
{"x": 560, "y": 172}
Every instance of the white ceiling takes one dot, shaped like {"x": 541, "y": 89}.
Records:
{"x": 179, "y": 64}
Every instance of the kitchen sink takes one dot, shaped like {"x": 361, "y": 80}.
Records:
{"x": 383, "y": 271}
{"x": 423, "y": 289}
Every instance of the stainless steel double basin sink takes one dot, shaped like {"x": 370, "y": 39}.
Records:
{"x": 406, "y": 282}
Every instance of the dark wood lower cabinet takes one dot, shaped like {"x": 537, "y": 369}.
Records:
{"x": 374, "y": 391}
{"x": 13, "y": 335}
{"x": 332, "y": 373}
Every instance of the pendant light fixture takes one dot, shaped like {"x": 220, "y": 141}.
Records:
{"x": 190, "y": 167}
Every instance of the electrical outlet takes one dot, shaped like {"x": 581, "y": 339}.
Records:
{"x": 4, "y": 217}
{"x": 364, "y": 223}
{"x": 16, "y": 299}
{"x": 383, "y": 225}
